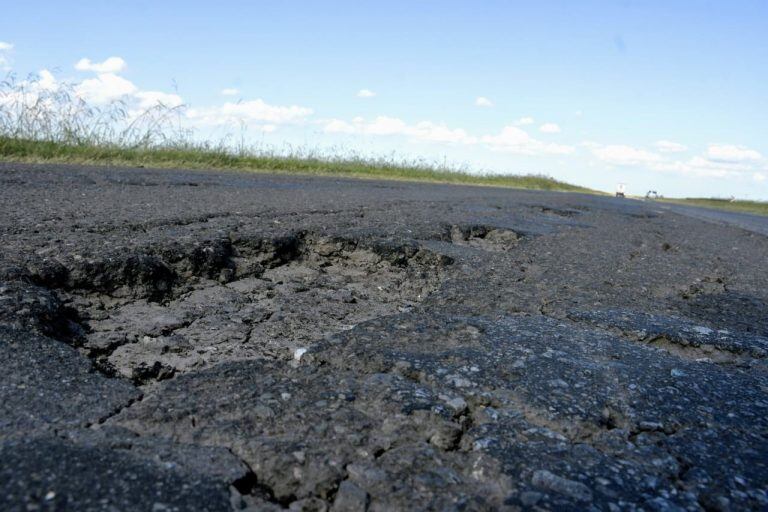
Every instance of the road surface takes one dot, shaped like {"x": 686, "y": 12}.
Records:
{"x": 748, "y": 221}
{"x": 178, "y": 340}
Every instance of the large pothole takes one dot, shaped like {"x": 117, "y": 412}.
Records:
{"x": 252, "y": 304}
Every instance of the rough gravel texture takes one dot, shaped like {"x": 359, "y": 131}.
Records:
{"x": 175, "y": 340}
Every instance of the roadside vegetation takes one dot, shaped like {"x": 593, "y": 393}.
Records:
{"x": 756, "y": 207}
{"x": 44, "y": 123}
{"x": 48, "y": 122}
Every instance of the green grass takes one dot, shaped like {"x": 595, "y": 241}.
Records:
{"x": 201, "y": 156}
{"x": 757, "y": 207}
{"x": 40, "y": 124}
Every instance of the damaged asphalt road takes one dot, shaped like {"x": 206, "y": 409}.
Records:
{"x": 175, "y": 340}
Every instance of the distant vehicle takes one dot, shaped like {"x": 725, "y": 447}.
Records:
{"x": 620, "y": 189}
{"x": 652, "y": 194}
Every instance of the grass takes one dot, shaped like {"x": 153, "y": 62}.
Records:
{"x": 44, "y": 121}
{"x": 756, "y": 207}
{"x": 41, "y": 122}
{"x": 201, "y": 156}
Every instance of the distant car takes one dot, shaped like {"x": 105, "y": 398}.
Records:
{"x": 620, "y": 189}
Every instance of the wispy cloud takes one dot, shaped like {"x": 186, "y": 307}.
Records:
{"x": 549, "y": 128}
{"x": 110, "y": 65}
{"x": 150, "y": 99}
{"x": 482, "y": 101}
{"x": 731, "y": 153}
{"x": 515, "y": 140}
{"x": 619, "y": 154}
{"x": 5, "y": 63}
{"x": 666, "y": 146}
{"x": 230, "y": 91}
{"x": 365, "y": 93}
{"x": 510, "y": 139}
{"x": 524, "y": 121}
{"x": 425, "y": 131}
{"x": 257, "y": 111}
{"x": 718, "y": 161}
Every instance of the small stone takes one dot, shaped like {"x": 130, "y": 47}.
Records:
{"x": 458, "y": 404}
{"x": 50, "y": 495}
{"x": 551, "y": 482}
{"x": 350, "y": 498}
{"x": 558, "y": 383}
{"x": 298, "y": 353}
{"x": 676, "y": 372}
{"x": 458, "y": 381}
{"x": 263, "y": 412}
{"x": 446, "y": 437}
{"x": 650, "y": 426}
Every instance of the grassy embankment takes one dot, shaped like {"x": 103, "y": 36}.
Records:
{"x": 40, "y": 123}
{"x": 188, "y": 156}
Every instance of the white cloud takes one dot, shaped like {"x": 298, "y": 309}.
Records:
{"x": 666, "y": 146}
{"x": 106, "y": 87}
{"x": 719, "y": 161}
{"x": 731, "y": 153}
{"x": 230, "y": 91}
{"x": 512, "y": 139}
{"x": 482, "y": 101}
{"x": 759, "y": 177}
{"x": 47, "y": 81}
{"x": 365, "y": 93}
{"x": 30, "y": 91}
{"x": 524, "y": 121}
{"x": 625, "y": 155}
{"x": 4, "y": 61}
{"x": 384, "y": 125}
{"x": 698, "y": 166}
{"x": 425, "y": 131}
{"x": 433, "y": 132}
{"x": 111, "y": 65}
{"x": 248, "y": 111}
{"x": 549, "y": 128}
{"x": 150, "y": 99}
{"x": 338, "y": 126}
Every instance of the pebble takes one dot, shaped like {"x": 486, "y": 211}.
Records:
{"x": 350, "y": 498}
{"x": 298, "y": 353}
{"x": 546, "y": 480}
{"x": 457, "y": 403}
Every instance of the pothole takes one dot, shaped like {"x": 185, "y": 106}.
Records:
{"x": 254, "y": 302}
{"x": 484, "y": 237}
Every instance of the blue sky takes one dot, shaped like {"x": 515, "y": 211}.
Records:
{"x": 670, "y": 96}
